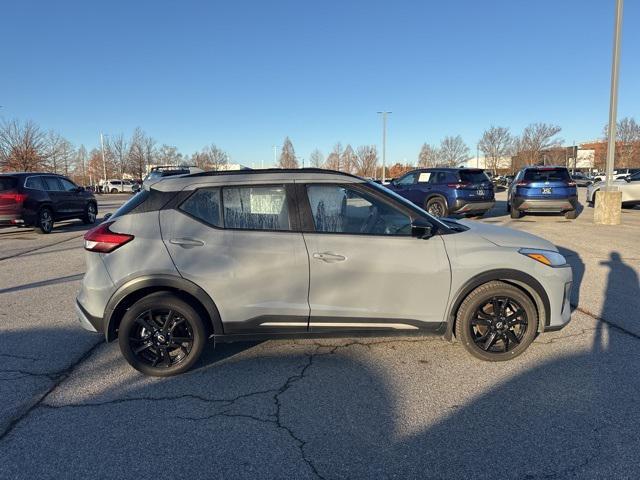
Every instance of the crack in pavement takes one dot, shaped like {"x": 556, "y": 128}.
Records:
{"x": 19, "y": 357}
{"x": 60, "y": 377}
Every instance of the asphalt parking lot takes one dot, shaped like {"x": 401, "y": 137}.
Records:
{"x": 361, "y": 408}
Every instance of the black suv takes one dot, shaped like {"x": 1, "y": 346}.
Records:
{"x": 39, "y": 199}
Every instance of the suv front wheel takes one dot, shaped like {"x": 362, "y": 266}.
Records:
{"x": 161, "y": 335}
{"x": 496, "y": 322}
{"x": 45, "y": 220}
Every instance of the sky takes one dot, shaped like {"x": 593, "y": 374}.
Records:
{"x": 245, "y": 74}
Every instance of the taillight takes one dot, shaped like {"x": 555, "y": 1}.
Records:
{"x": 458, "y": 185}
{"x": 102, "y": 240}
{"x": 522, "y": 183}
{"x": 12, "y": 197}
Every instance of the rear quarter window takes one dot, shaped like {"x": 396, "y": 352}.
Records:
{"x": 132, "y": 203}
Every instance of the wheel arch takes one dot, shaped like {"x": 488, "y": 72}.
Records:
{"x": 432, "y": 195}
{"x": 517, "y": 278}
{"x": 139, "y": 287}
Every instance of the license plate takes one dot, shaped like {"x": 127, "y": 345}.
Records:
{"x": 546, "y": 190}
{"x": 480, "y": 192}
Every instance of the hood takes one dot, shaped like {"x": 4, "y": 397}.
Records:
{"x": 507, "y": 237}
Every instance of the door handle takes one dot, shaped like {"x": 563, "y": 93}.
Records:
{"x": 329, "y": 257}
{"x": 187, "y": 242}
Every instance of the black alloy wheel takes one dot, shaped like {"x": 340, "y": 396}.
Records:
{"x": 161, "y": 335}
{"x": 45, "y": 220}
{"x": 497, "y": 321}
{"x": 498, "y": 325}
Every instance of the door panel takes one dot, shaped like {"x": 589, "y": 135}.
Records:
{"x": 365, "y": 268}
{"x": 259, "y": 280}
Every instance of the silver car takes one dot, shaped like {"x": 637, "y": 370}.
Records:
{"x": 261, "y": 254}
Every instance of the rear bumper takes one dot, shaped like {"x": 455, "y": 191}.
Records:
{"x": 11, "y": 219}
{"x": 461, "y": 205}
{"x": 87, "y": 321}
{"x": 545, "y": 204}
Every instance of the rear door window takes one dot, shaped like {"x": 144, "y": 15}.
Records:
{"x": 547, "y": 175}
{"x": 52, "y": 184}
{"x": 256, "y": 208}
{"x": 8, "y": 183}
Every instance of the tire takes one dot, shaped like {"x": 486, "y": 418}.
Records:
{"x": 155, "y": 351}
{"x": 114, "y": 190}
{"x": 90, "y": 214}
{"x": 571, "y": 214}
{"x": 437, "y": 207}
{"x": 476, "y": 332}
{"x": 515, "y": 213}
{"x": 44, "y": 222}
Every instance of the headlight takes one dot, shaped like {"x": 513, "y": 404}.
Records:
{"x": 548, "y": 257}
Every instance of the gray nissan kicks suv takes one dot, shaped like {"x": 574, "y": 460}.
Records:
{"x": 251, "y": 255}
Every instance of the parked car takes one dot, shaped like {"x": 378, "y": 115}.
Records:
{"x": 308, "y": 253}
{"x": 445, "y": 191}
{"x": 580, "y": 179}
{"x": 618, "y": 174}
{"x": 118, "y": 186}
{"x": 629, "y": 186}
{"x": 40, "y": 199}
{"x": 542, "y": 189}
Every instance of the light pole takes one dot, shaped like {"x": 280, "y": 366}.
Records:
{"x": 104, "y": 164}
{"x": 609, "y": 201}
{"x": 384, "y": 144}
{"x": 275, "y": 155}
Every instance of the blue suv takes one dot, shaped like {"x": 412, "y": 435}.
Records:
{"x": 543, "y": 189}
{"x": 444, "y": 191}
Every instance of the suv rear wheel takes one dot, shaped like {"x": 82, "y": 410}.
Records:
{"x": 436, "y": 206}
{"x": 161, "y": 335}
{"x": 496, "y": 322}
{"x": 90, "y": 214}
{"x": 44, "y": 224}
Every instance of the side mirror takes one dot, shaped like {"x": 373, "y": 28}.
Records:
{"x": 627, "y": 179}
{"x": 80, "y": 189}
{"x": 135, "y": 187}
{"x": 107, "y": 216}
{"x": 421, "y": 229}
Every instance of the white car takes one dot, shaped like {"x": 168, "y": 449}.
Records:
{"x": 629, "y": 186}
{"x": 118, "y": 186}
{"x": 618, "y": 174}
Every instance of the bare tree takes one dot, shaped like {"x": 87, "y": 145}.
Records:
{"x": 316, "y": 159}
{"x": 348, "y": 160}
{"x": 118, "y": 152}
{"x": 67, "y": 156}
{"x": 81, "y": 165}
{"x": 211, "y": 158}
{"x": 453, "y": 151}
{"x": 496, "y": 143}
{"x": 149, "y": 151}
{"x": 54, "y": 150}
{"x": 428, "y": 156}
{"x": 136, "y": 156}
{"x": 627, "y": 141}
{"x": 334, "y": 160}
{"x": 22, "y": 146}
{"x": 168, "y": 155}
{"x": 366, "y": 161}
{"x": 535, "y": 139}
{"x": 287, "y": 155}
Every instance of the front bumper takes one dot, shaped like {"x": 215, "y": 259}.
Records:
{"x": 545, "y": 204}
{"x": 466, "y": 206}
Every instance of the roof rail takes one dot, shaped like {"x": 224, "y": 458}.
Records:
{"x": 270, "y": 170}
